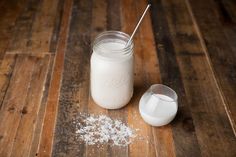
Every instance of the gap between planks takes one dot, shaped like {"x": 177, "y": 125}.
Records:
{"x": 30, "y": 54}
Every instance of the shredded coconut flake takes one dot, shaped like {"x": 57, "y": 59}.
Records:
{"x": 101, "y": 129}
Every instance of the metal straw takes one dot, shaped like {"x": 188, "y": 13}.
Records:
{"x": 136, "y": 27}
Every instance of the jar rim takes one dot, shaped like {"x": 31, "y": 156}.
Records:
{"x": 125, "y": 37}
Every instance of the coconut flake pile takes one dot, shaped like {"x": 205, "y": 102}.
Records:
{"x": 100, "y": 129}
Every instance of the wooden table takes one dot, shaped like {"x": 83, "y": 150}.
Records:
{"x": 45, "y": 49}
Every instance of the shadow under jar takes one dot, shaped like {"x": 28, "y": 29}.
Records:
{"x": 111, "y": 70}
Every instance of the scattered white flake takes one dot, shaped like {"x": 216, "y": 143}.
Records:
{"x": 100, "y": 129}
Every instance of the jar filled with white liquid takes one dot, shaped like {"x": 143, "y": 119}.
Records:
{"x": 111, "y": 70}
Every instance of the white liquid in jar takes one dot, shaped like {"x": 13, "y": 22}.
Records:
{"x": 111, "y": 75}
{"x": 160, "y": 112}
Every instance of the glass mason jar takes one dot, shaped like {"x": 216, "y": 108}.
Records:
{"x": 111, "y": 70}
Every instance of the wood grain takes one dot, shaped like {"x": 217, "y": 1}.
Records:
{"x": 23, "y": 28}
{"x": 41, "y": 113}
{"x": 184, "y": 136}
{"x": 114, "y": 15}
{"x": 6, "y": 70}
{"x": 114, "y": 23}
{"x": 7, "y": 22}
{"x": 130, "y": 14}
{"x": 220, "y": 54}
{"x": 14, "y": 107}
{"x": 46, "y": 140}
{"x": 99, "y": 23}
{"x": 42, "y": 28}
{"x": 45, "y": 49}
{"x": 163, "y": 138}
{"x": 203, "y": 113}
{"x": 26, "y": 129}
{"x": 56, "y": 27}
{"x": 75, "y": 82}
{"x": 34, "y": 27}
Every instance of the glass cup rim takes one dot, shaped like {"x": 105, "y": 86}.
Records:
{"x": 170, "y": 89}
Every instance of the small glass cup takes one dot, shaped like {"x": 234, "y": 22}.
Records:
{"x": 158, "y": 106}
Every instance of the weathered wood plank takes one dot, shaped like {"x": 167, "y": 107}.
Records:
{"x": 203, "y": 97}
{"x": 98, "y": 25}
{"x": 74, "y": 94}
{"x": 36, "y": 27}
{"x": 226, "y": 11}
{"x": 113, "y": 15}
{"x": 56, "y": 27}
{"x": 13, "y": 103}
{"x": 41, "y": 114}
{"x": 184, "y": 136}
{"x": 6, "y": 70}
{"x": 195, "y": 56}
{"x": 42, "y": 28}
{"x": 99, "y": 18}
{"x": 9, "y": 11}
{"x": 220, "y": 55}
{"x": 22, "y": 30}
{"x": 53, "y": 48}
{"x": 133, "y": 119}
{"x": 131, "y": 11}
{"x": 46, "y": 140}
{"x": 114, "y": 23}
{"x": 226, "y": 19}
{"x": 163, "y": 138}
{"x": 26, "y": 129}
{"x": 227, "y": 15}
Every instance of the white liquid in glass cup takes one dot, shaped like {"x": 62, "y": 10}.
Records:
{"x": 111, "y": 70}
{"x": 158, "y": 106}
